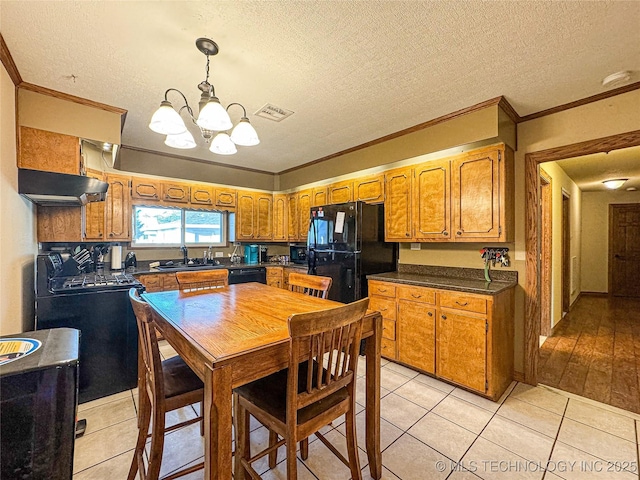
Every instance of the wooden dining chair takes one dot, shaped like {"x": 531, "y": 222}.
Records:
{"x": 163, "y": 386}
{"x": 300, "y": 400}
{"x": 202, "y": 279}
{"x": 313, "y": 285}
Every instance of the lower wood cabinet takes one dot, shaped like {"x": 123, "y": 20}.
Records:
{"x": 274, "y": 276}
{"x": 462, "y": 338}
{"x": 158, "y": 282}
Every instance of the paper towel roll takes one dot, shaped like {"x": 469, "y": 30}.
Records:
{"x": 116, "y": 257}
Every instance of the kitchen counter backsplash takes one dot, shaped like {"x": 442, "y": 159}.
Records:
{"x": 499, "y": 275}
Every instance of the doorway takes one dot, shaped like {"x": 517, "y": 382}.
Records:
{"x": 532, "y": 233}
{"x": 624, "y": 249}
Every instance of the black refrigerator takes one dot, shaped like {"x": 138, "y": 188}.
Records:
{"x": 346, "y": 243}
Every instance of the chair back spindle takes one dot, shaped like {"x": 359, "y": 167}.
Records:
{"x": 313, "y": 285}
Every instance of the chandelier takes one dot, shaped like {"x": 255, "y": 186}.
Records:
{"x": 213, "y": 119}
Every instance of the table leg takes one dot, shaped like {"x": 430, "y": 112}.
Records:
{"x": 372, "y": 352}
{"x": 217, "y": 423}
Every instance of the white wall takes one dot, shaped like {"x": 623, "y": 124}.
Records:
{"x": 18, "y": 245}
{"x": 595, "y": 236}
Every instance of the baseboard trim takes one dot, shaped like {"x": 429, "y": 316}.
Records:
{"x": 518, "y": 376}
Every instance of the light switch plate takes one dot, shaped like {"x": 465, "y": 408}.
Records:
{"x": 415, "y": 246}
{"x": 219, "y": 254}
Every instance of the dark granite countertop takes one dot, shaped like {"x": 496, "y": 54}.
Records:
{"x": 469, "y": 280}
{"x": 143, "y": 267}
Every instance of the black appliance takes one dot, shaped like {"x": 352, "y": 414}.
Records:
{"x": 60, "y": 189}
{"x": 346, "y": 243}
{"x": 246, "y": 275}
{"x": 39, "y": 384}
{"x": 98, "y": 306}
{"x": 130, "y": 260}
{"x": 298, "y": 254}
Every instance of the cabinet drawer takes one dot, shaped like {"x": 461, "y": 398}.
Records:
{"x": 386, "y": 306}
{"x": 461, "y": 301}
{"x": 417, "y": 294}
{"x": 388, "y": 329}
{"x": 382, "y": 288}
{"x": 388, "y": 348}
{"x": 274, "y": 272}
{"x": 169, "y": 282}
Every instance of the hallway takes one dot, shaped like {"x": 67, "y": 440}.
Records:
{"x": 595, "y": 351}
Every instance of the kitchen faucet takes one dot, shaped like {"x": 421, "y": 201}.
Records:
{"x": 185, "y": 254}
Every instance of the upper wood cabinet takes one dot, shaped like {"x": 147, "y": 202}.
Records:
{"x": 292, "y": 217}
{"x": 202, "y": 195}
{"x": 319, "y": 197}
{"x": 118, "y": 207}
{"x": 431, "y": 201}
{"x": 369, "y": 189}
{"x": 397, "y": 207}
{"x": 59, "y": 224}
{"x": 175, "y": 192}
{"x": 94, "y": 215}
{"x": 225, "y": 197}
{"x": 254, "y": 216}
{"x": 146, "y": 189}
{"x": 280, "y": 223}
{"x": 48, "y": 151}
{"x": 341, "y": 192}
{"x": 482, "y": 195}
{"x": 304, "y": 213}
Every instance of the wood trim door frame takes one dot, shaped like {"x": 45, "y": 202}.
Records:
{"x": 546, "y": 257}
{"x": 613, "y": 207}
{"x": 566, "y": 252}
{"x": 532, "y": 232}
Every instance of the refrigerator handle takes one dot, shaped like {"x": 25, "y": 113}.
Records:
{"x": 350, "y": 278}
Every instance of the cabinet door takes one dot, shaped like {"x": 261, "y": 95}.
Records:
{"x": 118, "y": 205}
{"x": 245, "y": 216}
{"x": 476, "y": 196}
{"x": 292, "y": 217}
{"x": 461, "y": 345}
{"x": 369, "y": 189}
{"x": 202, "y": 195}
{"x": 280, "y": 218}
{"x": 304, "y": 212}
{"x": 48, "y": 151}
{"x": 152, "y": 283}
{"x": 319, "y": 197}
{"x": 416, "y": 335}
{"x": 94, "y": 215}
{"x": 341, "y": 192}
{"x": 145, "y": 189}
{"x": 169, "y": 281}
{"x": 175, "y": 192}
{"x": 225, "y": 197}
{"x": 431, "y": 201}
{"x": 397, "y": 209}
{"x": 264, "y": 216}
{"x": 59, "y": 224}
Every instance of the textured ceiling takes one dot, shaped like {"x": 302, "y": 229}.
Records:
{"x": 351, "y": 71}
{"x": 589, "y": 171}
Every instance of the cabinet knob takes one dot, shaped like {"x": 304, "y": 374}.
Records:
{"x": 444, "y": 317}
{"x": 111, "y": 234}
{"x": 445, "y": 233}
{"x": 459, "y": 232}
{"x": 430, "y": 314}
{"x": 406, "y": 234}
{"x": 100, "y": 235}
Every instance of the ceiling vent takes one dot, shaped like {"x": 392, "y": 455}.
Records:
{"x": 274, "y": 113}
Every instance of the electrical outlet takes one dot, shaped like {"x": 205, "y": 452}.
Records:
{"x": 415, "y": 246}
{"x": 219, "y": 254}
{"x": 236, "y": 244}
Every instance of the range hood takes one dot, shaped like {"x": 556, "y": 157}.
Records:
{"x": 60, "y": 189}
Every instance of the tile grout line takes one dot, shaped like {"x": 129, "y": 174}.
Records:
{"x": 555, "y": 440}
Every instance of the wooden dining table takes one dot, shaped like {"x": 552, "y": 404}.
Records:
{"x": 234, "y": 335}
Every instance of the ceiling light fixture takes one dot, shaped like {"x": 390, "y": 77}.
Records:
{"x": 615, "y": 183}
{"x": 212, "y": 117}
{"x": 616, "y": 79}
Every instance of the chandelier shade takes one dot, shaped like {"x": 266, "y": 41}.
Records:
{"x": 222, "y": 144}
{"x": 167, "y": 121}
{"x": 615, "y": 183}
{"x": 183, "y": 140}
{"x": 212, "y": 117}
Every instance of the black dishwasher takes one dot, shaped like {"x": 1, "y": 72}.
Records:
{"x": 246, "y": 275}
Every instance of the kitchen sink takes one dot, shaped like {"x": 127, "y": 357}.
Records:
{"x": 194, "y": 266}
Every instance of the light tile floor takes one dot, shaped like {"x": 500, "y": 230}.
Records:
{"x": 429, "y": 430}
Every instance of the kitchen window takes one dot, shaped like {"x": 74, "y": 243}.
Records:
{"x": 172, "y": 227}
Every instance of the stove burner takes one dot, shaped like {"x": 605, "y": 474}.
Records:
{"x": 116, "y": 281}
